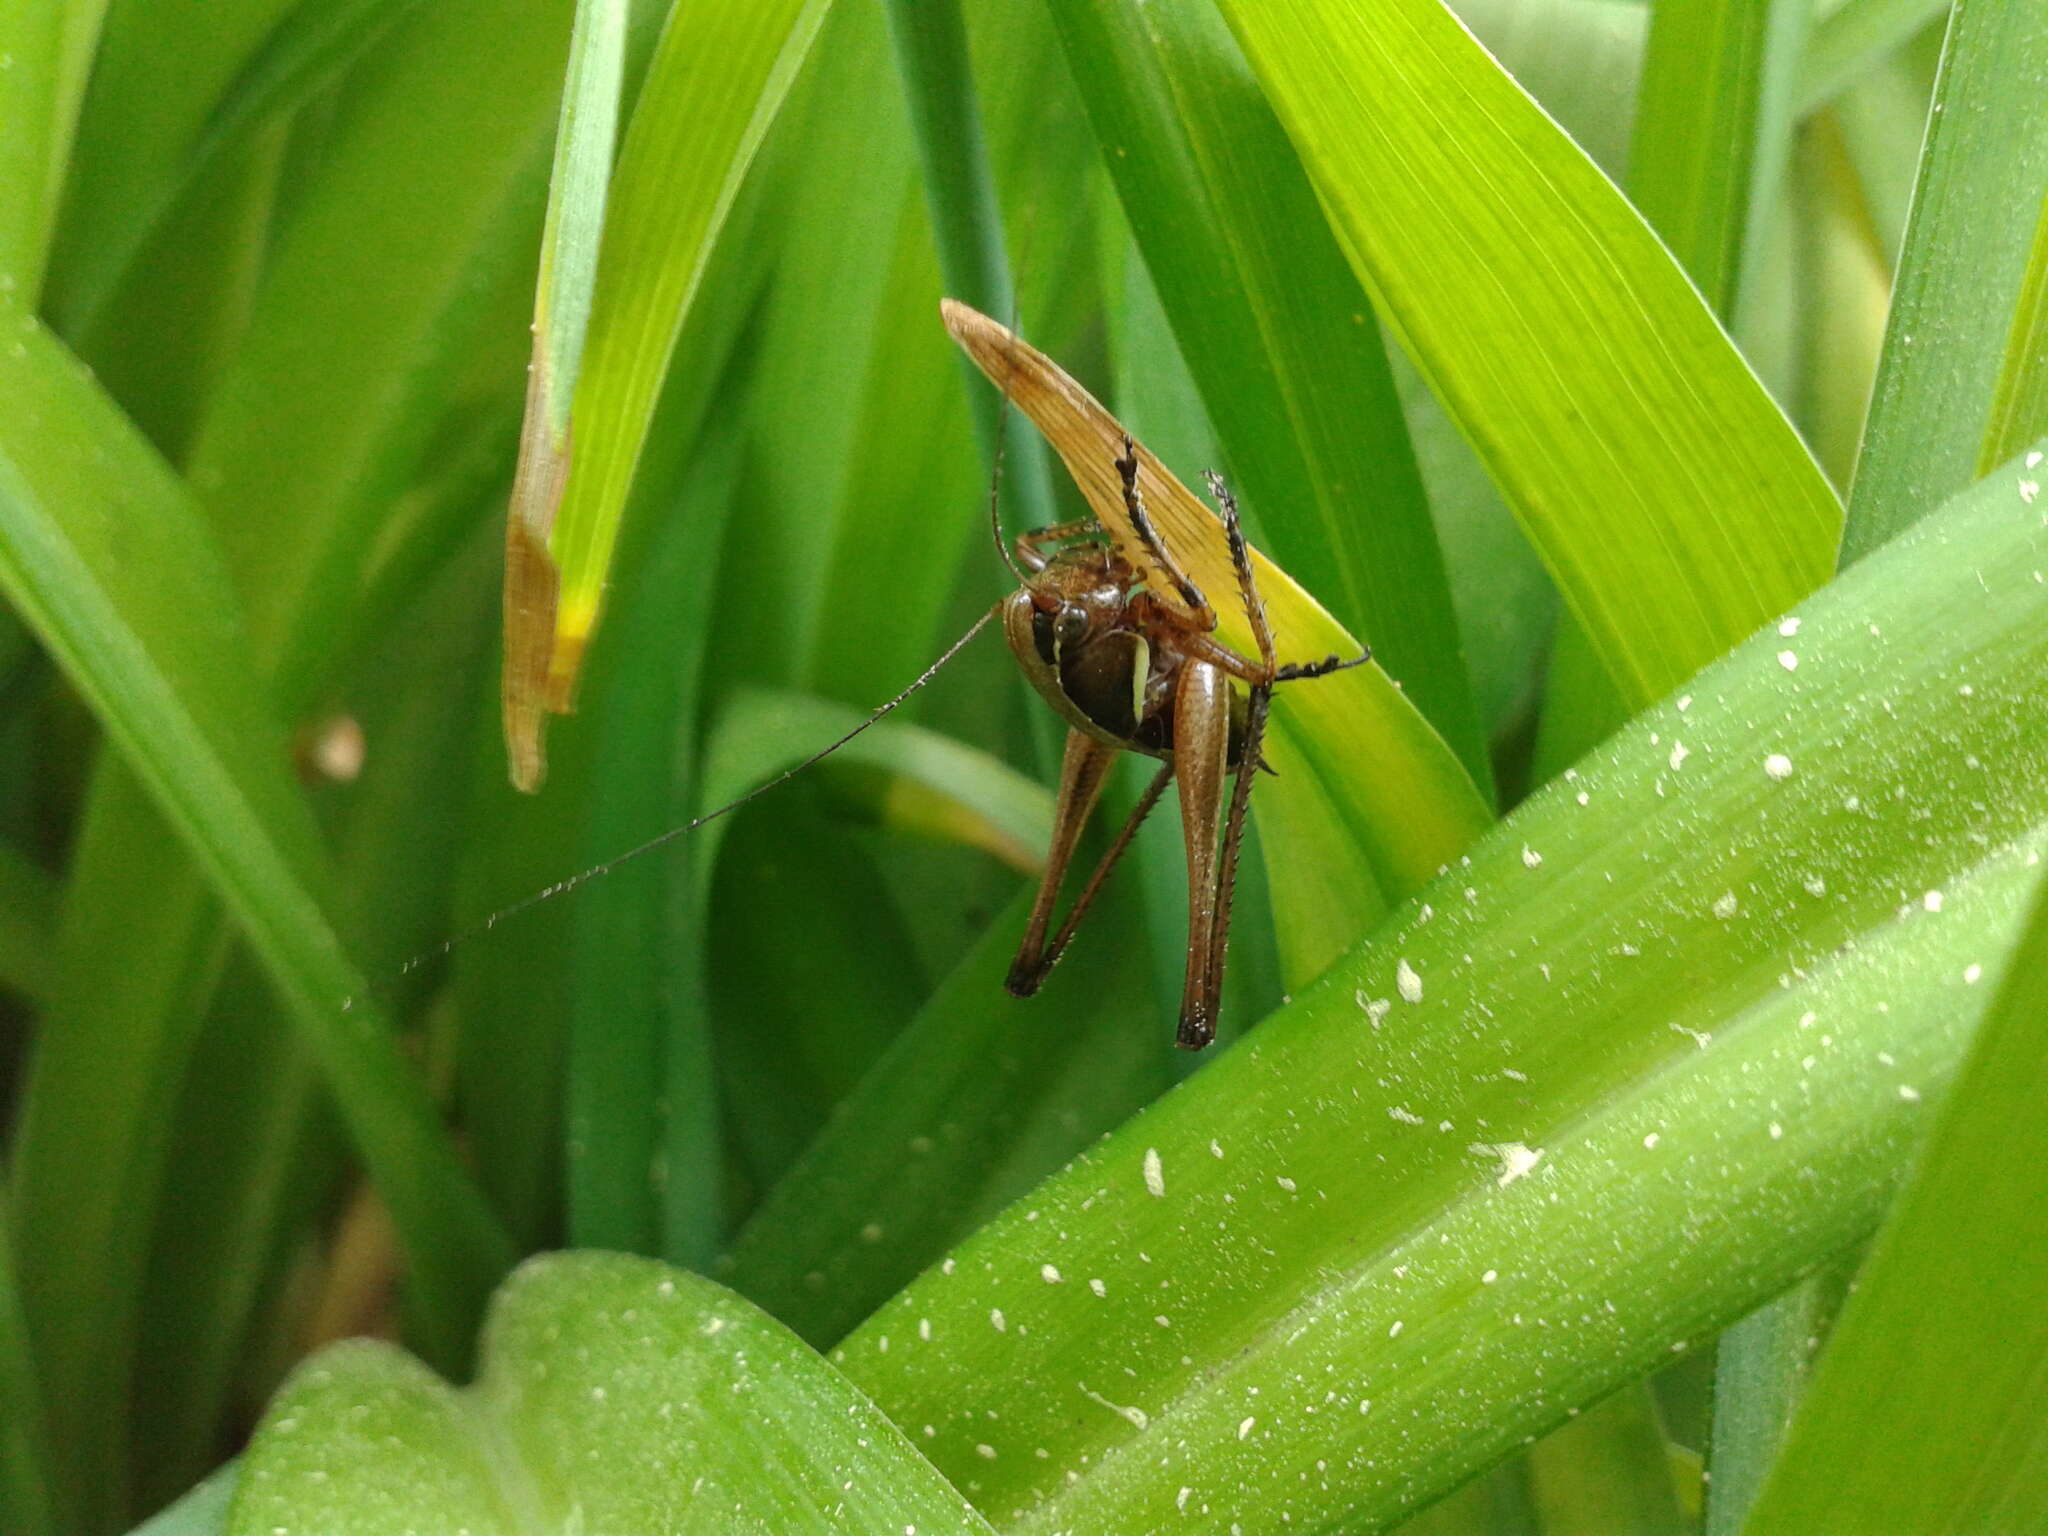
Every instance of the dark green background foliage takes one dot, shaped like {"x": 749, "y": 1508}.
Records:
{"x": 1625, "y": 1120}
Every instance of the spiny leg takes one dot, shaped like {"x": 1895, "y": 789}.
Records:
{"x": 1201, "y": 748}
{"x": 1115, "y": 852}
{"x": 1082, "y": 772}
{"x": 1233, "y": 841}
{"x": 1241, "y": 562}
{"x": 1200, "y": 613}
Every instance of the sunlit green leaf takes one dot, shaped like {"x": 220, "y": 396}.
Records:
{"x": 1673, "y": 504}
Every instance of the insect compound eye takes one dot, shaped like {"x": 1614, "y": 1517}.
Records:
{"x": 1070, "y": 625}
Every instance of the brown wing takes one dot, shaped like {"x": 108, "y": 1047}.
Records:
{"x": 1091, "y": 440}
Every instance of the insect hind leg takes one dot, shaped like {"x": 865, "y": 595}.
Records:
{"x": 1155, "y": 547}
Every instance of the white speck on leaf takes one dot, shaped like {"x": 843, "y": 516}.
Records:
{"x": 1406, "y": 980}
{"x": 1531, "y": 858}
{"x": 1789, "y": 660}
{"x": 1726, "y": 906}
{"x": 1155, "y": 1175}
{"x": 1778, "y": 766}
{"x": 1789, "y": 627}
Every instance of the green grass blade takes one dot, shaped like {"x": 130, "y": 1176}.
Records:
{"x": 1852, "y": 37}
{"x": 1674, "y": 505}
{"x": 49, "y": 46}
{"x": 605, "y": 1403}
{"x": 1761, "y": 1367}
{"x": 175, "y": 94}
{"x": 1650, "y": 1023}
{"x": 26, "y": 1506}
{"x": 1712, "y": 130}
{"x": 561, "y": 319}
{"x": 717, "y": 80}
{"x": 2019, "y": 404}
{"x": 1974, "y": 214}
{"x": 1277, "y": 334}
{"x": 140, "y": 614}
{"x": 1924, "y": 1412}
{"x": 930, "y": 41}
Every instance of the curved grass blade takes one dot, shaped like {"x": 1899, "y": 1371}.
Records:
{"x": 1979, "y": 196}
{"x": 1388, "y": 779}
{"x": 1277, "y": 334}
{"x": 1672, "y": 502}
{"x": 561, "y": 316}
{"x": 138, "y": 610}
{"x": 717, "y": 80}
{"x": 606, "y": 1403}
{"x": 1761, "y": 1368}
{"x": 1924, "y": 1412}
{"x": 1852, "y": 37}
{"x": 1615, "y": 1079}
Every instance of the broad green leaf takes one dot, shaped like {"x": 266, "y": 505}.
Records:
{"x": 25, "y": 1485}
{"x": 1713, "y": 129}
{"x": 1674, "y": 505}
{"x": 717, "y": 80}
{"x": 1277, "y": 334}
{"x": 1924, "y": 1412}
{"x": 561, "y": 319}
{"x": 49, "y": 48}
{"x": 1619, "y": 1076}
{"x": 1975, "y": 208}
{"x": 140, "y": 614}
{"x": 606, "y": 1403}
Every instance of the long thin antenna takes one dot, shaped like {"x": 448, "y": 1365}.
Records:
{"x": 562, "y": 887}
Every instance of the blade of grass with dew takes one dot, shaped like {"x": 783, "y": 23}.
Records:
{"x": 1670, "y": 1093}
{"x": 923, "y": 1147}
{"x": 1712, "y": 131}
{"x": 716, "y": 82}
{"x": 1923, "y": 1413}
{"x": 1761, "y": 1367}
{"x": 1974, "y": 212}
{"x": 561, "y": 319}
{"x": 1672, "y": 502}
{"x": 143, "y": 619}
{"x": 1851, "y": 37}
{"x": 2019, "y": 403}
{"x": 605, "y": 1397}
{"x": 49, "y": 49}
{"x": 1278, "y": 335}
{"x": 26, "y": 1505}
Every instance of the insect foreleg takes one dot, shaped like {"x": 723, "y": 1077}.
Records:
{"x": 1082, "y": 772}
